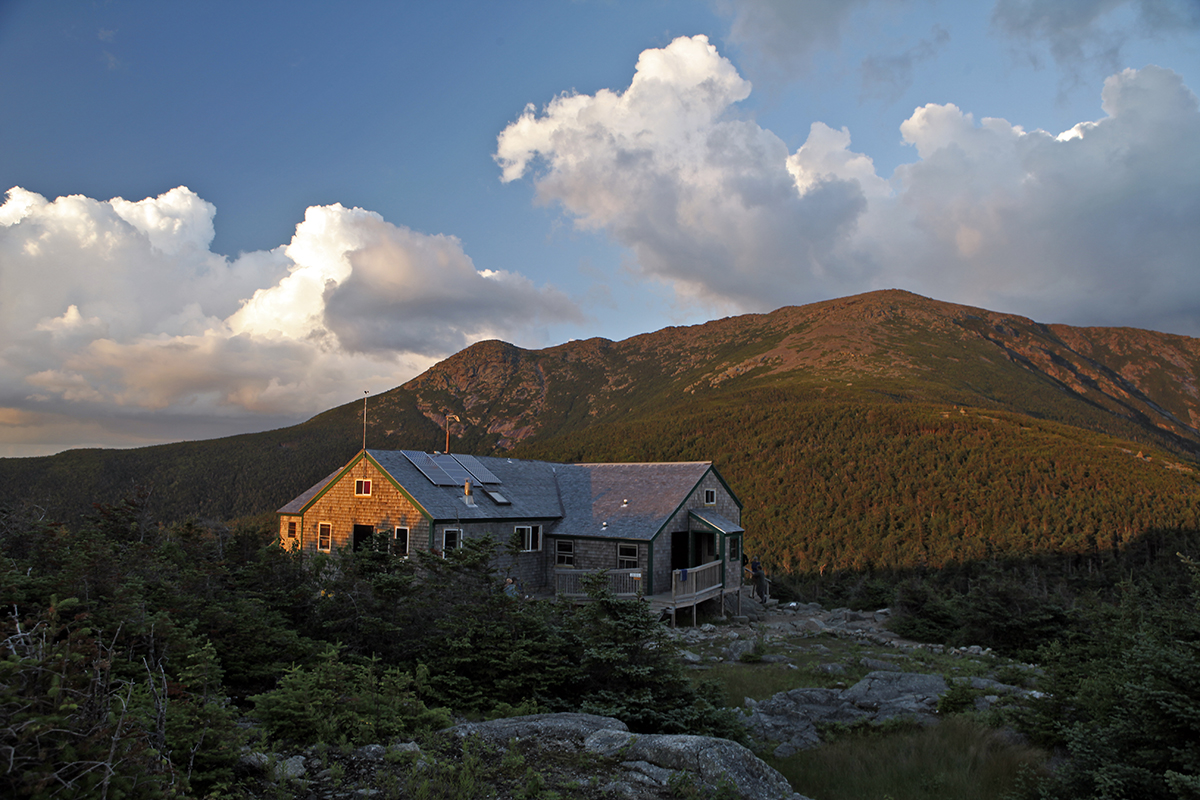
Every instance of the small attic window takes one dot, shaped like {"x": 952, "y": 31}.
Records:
{"x": 362, "y": 488}
{"x": 710, "y": 497}
{"x": 497, "y": 498}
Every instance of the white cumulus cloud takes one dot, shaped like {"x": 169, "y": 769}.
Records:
{"x": 1093, "y": 226}
{"x": 703, "y": 198}
{"x": 114, "y": 308}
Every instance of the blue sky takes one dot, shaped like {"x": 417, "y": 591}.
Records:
{"x": 227, "y": 217}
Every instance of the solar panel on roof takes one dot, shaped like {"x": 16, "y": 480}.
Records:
{"x": 455, "y": 470}
{"x": 482, "y": 474}
{"x": 429, "y": 468}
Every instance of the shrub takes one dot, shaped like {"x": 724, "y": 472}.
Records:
{"x": 334, "y": 702}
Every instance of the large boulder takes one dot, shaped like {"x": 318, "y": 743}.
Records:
{"x": 794, "y": 719}
{"x": 647, "y": 763}
{"x": 897, "y": 694}
{"x": 710, "y": 763}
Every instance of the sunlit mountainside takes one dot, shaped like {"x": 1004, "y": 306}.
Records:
{"x": 885, "y": 430}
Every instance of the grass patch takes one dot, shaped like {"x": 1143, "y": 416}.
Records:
{"x": 957, "y": 758}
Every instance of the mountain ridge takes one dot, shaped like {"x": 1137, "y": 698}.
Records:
{"x": 890, "y": 347}
{"x": 1145, "y": 377}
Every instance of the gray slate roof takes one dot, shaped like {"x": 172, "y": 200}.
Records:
{"x": 528, "y": 485}
{"x": 612, "y": 501}
{"x": 595, "y": 494}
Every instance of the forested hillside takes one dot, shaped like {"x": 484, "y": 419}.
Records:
{"x": 885, "y": 430}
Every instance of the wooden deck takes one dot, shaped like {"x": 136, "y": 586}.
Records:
{"x": 689, "y": 587}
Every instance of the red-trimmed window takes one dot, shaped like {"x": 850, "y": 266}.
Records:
{"x": 291, "y": 530}
{"x": 362, "y": 488}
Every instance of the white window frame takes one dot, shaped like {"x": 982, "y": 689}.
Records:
{"x": 458, "y": 539}
{"x": 564, "y": 553}
{"x": 396, "y": 539}
{"x": 710, "y": 497}
{"x": 362, "y": 487}
{"x": 325, "y": 532}
{"x": 623, "y": 560}
{"x": 531, "y": 538}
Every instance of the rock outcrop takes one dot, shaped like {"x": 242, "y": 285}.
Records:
{"x": 649, "y": 763}
{"x": 598, "y": 757}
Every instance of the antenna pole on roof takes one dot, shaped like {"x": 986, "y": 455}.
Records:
{"x": 448, "y": 418}
{"x": 365, "y": 393}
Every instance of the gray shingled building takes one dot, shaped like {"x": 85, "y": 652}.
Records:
{"x": 668, "y": 531}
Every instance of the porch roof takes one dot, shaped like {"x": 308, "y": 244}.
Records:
{"x": 714, "y": 522}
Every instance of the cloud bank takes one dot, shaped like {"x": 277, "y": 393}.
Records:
{"x": 1095, "y": 225}
{"x": 114, "y": 308}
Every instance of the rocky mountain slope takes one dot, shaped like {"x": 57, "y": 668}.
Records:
{"x": 895, "y": 342}
{"x": 888, "y": 347}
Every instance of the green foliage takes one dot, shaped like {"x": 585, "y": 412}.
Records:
{"x": 958, "y": 698}
{"x": 1123, "y": 699}
{"x": 443, "y": 779}
{"x": 999, "y": 608}
{"x": 629, "y": 668}
{"x": 68, "y": 724}
{"x": 956, "y": 758}
{"x": 333, "y": 701}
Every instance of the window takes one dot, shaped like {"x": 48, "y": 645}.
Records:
{"x": 531, "y": 537}
{"x": 400, "y": 541}
{"x": 291, "y": 530}
{"x": 324, "y": 536}
{"x": 362, "y": 488}
{"x": 710, "y": 497}
{"x": 564, "y": 553}
{"x": 627, "y": 556}
{"x": 451, "y": 540}
{"x": 733, "y": 550}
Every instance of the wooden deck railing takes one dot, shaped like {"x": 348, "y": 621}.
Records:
{"x": 688, "y": 586}
{"x": 568, "y": 583}
{"x": 696, "y": 582}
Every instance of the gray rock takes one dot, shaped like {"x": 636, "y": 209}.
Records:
{"x": 372, "y": 752}
{"x": 795, "y": 718}
{"x": 608, "y": 741}
{"x": 277, "y": 768}
{"x": 689, "y": 657}
{"x": 291, "y": 769}
{"x": 737, "y": 649}
{"x": 876, "y": 664}
{"x": 647, "y": 772}
{"x": 892, "y": 694}
{"x": 713, "y": 761}
{"x": 564, "y": 728}
{"x": 995, "y": 687}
